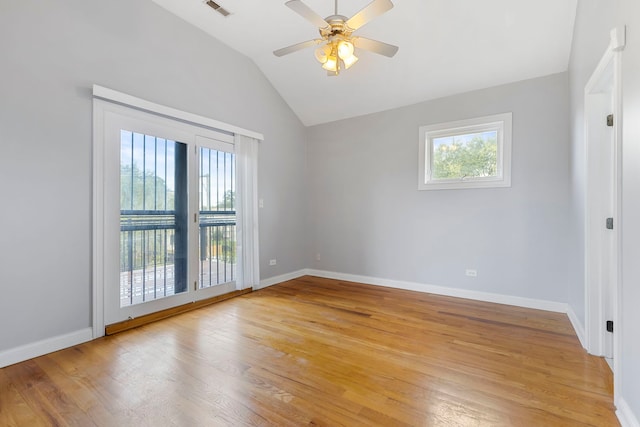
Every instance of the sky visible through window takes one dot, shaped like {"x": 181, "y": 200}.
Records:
{"x": 155, "y": 156}
{"x": 217, "y": 180}
{"x": 464, "y": 139}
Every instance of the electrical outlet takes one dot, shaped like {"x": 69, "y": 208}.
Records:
{"x": 261, "y": 203}
{"x": 318, "y": 256}
{"x": 471, "y": 273}
{"x": 272, "y": 262}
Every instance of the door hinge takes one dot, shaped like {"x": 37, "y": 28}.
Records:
{"x": 609, "y": 223}
{"x": 609, "y": 325}
{"x": 610, "y": 120}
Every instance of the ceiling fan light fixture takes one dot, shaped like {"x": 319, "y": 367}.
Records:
{"x": 338, "y": 43}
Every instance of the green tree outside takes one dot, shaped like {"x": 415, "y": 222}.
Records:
{"x": 150, "y": 192}
{"x": 475, "y": 158}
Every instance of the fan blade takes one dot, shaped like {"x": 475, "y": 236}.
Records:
{"x": 296, "y": 47}
{"x": 369, "y": 12}
{"x": 306, "y": 12}
{"x": 375, "y": 46}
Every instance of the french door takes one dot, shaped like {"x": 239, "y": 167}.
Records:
{"x": 170, "y": 214}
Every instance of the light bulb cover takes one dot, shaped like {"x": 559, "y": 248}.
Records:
{"x": 345, "y": 49}
{"x": 322, "y": 53}
{"x": 348, "y": 62}
{"x": 331, "y": 64}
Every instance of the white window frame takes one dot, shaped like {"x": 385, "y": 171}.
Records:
{"x": 498, "y": 122}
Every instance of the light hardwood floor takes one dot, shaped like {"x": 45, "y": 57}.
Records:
{"x": 317, "y": 352}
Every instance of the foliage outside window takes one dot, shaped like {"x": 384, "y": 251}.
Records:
{"x": 474, "y": 153}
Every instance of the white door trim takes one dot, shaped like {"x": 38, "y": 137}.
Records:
{"x": 163, "y": 110}
{"x": 608, "y": 71}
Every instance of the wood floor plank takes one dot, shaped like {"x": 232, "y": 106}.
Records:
{"x": 322, "y": 352}
{"x": 14, "y": 410}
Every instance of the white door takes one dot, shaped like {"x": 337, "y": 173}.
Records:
{"x": 602, "y": 206}
{"x": 216, "y": 238}
{"x": 170, "y": 223}
{"x": 608, "y": 223}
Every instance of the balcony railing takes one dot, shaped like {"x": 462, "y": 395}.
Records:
{"x": 147, "y": 270}
{"x": 218, "y": 256}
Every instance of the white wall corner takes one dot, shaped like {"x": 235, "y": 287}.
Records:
{"x": 554, "y": 306}
{"x": 49, "y": 345}
{"x": 625, "y": 415}
{"x": 282, "y": 278}
{"x": 577, "y": 326}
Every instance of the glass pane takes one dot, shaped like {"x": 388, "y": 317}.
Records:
{"x": 153, "y": 215}
{"x": 217, "y": 217}
{"x": 471, "y": 155}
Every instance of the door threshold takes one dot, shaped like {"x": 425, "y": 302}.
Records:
{"x": 125, "y": 325}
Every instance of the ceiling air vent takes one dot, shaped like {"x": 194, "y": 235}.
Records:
{"x": 215, "y": 6}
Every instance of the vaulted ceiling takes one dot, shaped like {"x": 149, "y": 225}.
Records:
{"x": 446, "y": 47}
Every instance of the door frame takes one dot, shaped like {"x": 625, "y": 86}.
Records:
{"x": 605, "y": 78}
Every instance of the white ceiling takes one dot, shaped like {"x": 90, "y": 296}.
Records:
{"x": 446, "y": 47}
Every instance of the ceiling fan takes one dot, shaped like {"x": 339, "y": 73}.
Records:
{"x": 336, "y": 35}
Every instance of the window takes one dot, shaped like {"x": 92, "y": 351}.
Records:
{"x": 153, "y": 221}
{"x": 217, "y": 213}
{"x": 474, "y": 153}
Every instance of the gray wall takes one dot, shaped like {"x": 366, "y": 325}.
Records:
{"x": 371, "y": 220}
{"x": 50, "y": 55}
{"x": 594, "y": 20}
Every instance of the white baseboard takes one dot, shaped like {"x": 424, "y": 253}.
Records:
{"x": 554, "y": 306}
{"x": 49, "y": 345}
{"x": 558, "y": 307}
{"x": 625, "y": 415}
{"x": 28, "y": 351}
{"x": 577, "y": 326}
{"x": 282, "y": 278}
